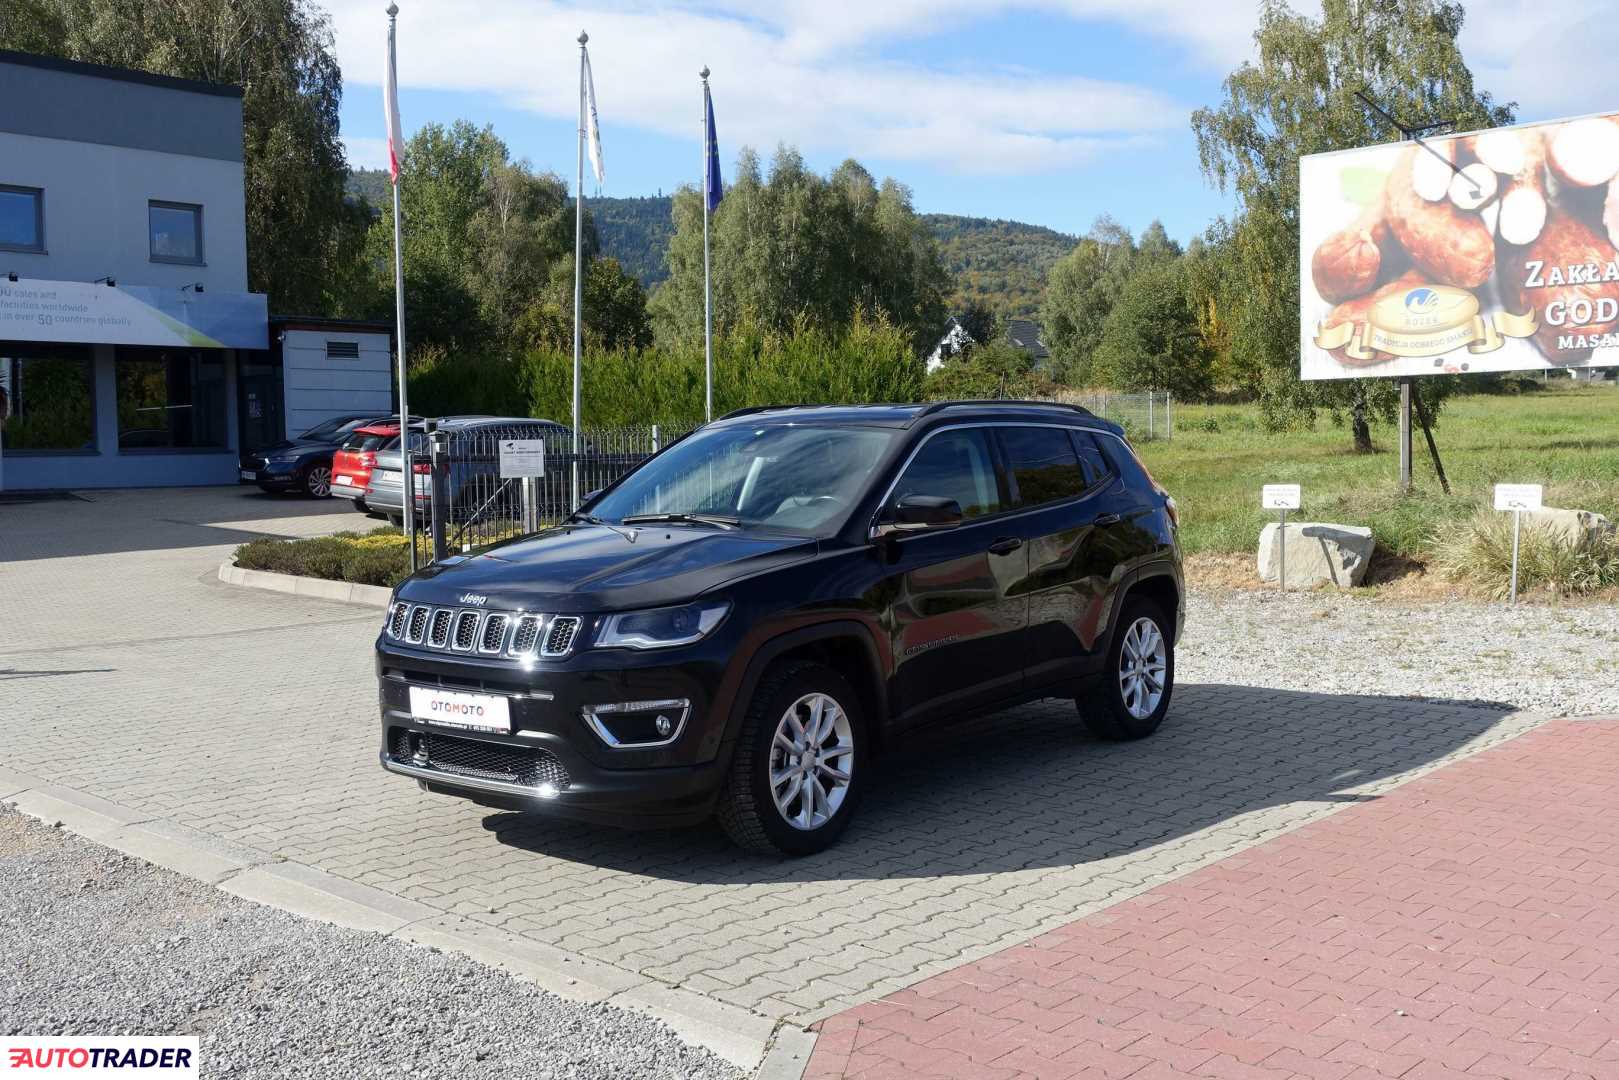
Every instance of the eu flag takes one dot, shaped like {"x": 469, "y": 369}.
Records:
{"x": 712, "y": 181}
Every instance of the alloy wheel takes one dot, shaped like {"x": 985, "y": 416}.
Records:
{"x": 319, "y": 481}
{"x": 811, "y": 758}
{"x": 1143, "y": 664}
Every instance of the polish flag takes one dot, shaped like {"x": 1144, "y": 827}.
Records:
{"x": 390, "y": 110}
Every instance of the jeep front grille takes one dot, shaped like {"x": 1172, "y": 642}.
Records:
{"x": 526, "y": 635}
{"x": 494, "y": 634}
{"x": 466, "y": 630}
{"x": 438, "y": 634}
{"x": 523, "y": 766}
{"x": 510, "y": 634}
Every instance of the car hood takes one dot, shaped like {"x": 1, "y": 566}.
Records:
{"x": 590, "y": 568}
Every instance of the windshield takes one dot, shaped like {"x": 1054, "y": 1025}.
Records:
{"x": 798, "y": 479}
{"x": 330, "y": 431}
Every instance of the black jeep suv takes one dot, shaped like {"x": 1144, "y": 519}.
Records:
{"x": 736, "y": 626}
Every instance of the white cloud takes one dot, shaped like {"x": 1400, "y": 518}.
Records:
{"x": 1554, "y": 57}
{"x": 366, "y": 153}
{"x": 805, "y": 72}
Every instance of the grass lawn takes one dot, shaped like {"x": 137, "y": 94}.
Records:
{"x": 1565, "y": 437}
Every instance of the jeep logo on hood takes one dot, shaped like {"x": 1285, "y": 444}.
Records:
{"x": 475, "y": 599}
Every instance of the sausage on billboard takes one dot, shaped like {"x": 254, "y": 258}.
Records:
{"x": 1491, "y": 251}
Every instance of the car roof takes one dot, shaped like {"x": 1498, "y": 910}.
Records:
{"x": 906, "y": 415}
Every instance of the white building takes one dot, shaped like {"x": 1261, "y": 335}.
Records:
{"x": 131, "y": 351}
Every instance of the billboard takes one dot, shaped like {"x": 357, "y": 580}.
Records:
{"x": 1489, "y": 251}
{"x": 38, "y": 310}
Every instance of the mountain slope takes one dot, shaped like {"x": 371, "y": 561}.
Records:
{"x": 999, "y": 263}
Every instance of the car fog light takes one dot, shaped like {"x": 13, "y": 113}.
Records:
{"x": 548, "y": 790}
{"x": 628, "y": 725}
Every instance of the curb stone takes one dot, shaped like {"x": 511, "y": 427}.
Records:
{"x": 344, "y": 592}
{"x": 746, "y": 1039}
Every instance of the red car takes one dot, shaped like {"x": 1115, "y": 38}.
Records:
{"x": 352, "y": 464}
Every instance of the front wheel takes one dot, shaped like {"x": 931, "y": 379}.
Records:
{"x": 1129, "y": 698}
{"x": 318, "y": 481}
{"x": 800, "y": 763}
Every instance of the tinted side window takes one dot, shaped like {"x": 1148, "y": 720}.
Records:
{"x": 1043, "y": 463}
{"x": 1097, "y": 466}
{"x": 955, "y": 465}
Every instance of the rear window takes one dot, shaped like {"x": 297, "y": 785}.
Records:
{"x": 359, "y": 443}
{"x": 1091, "y": 456}
{"x": 1043, "y": 462}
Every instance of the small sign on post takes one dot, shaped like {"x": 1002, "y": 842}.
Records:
{"x": 521, "y": 458}
{"x": 1517, "y": 498}
{"x": 1281, "y": 498}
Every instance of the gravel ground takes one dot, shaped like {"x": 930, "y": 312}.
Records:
{"x": 95, "y": 942}
{"x": 1559, "y": 660}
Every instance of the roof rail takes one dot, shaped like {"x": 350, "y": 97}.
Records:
{"x": 750, "y": 409}
{"x": 938, "y": 406}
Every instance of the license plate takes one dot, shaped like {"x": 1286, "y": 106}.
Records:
{"x": 343, "y": 478}
{"x": 249, "y": 474}
{"x": 450, "y": 708}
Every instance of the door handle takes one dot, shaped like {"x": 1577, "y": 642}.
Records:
{"x": 1107, "y": 519}
{"x": 1005, "y": 545}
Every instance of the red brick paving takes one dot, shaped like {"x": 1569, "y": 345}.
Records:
{"x": 1464, "y": 924}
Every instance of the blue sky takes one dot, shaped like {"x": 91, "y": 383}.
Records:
{"x": 1046, "y": 111}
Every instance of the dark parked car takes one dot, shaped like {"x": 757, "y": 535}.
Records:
{"x": 304, "y": 462}
{"x": 739, "y": 624}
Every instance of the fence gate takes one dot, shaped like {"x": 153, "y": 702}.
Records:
{"x": 475, "y": 506}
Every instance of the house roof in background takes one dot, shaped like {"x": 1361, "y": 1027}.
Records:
{"x": 1026, "y": 335}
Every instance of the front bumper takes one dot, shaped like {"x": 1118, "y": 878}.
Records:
{"x": 552, "y": 761}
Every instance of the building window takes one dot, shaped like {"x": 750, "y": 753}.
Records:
{"x": 49, "y": 396}
{"x": 176, "y": 232}
{"x": 22, "y": 219}
{"x": 170, "y": 399}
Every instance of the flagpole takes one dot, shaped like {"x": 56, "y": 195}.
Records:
{"x": 708, "y": 303}
{"x": 407, "y": 488}
{"x": 578, "y": 264}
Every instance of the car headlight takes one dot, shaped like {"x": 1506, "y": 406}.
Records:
{"x": 660, "y": 628}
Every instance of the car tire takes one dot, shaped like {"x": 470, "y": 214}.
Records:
{"x": 360, "y": 507}
{"x": 317, "y": 481}
{"x": 1129, "y": 699}
{"x": 789, "y": 818}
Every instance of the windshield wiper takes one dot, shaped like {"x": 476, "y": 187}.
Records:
{"x": 592, "y": 519}
{"x": 718, "y": 521}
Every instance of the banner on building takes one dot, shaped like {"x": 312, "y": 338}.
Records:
{"x": 75, "y": 311}
{"x": 1490, "y": 251}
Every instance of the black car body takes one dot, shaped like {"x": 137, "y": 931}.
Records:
{"x": 302, "y": 463}
{"x": 976, "y": 555}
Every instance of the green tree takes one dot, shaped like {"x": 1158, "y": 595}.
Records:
{"x": 800, "y": 245}
{"x": 1081, "y": 290}
{"x": 615, "y": 315}
{"x": 1151, "y": 339}
{"x": 280, "y": 52}
{"x": 1299, "y": 98}
{"x": 484, "y": 236}
{"x": 995, "y": 370}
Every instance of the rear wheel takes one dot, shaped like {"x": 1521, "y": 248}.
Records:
{"x": 800, "y": 763}
{"x": 1129, "y": 698}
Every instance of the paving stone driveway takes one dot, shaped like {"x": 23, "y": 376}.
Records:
{"x": 126, "y": 672}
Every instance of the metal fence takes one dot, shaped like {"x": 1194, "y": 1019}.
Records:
{"x": 1143, "y": 416}
{"x": 474, "y": 505}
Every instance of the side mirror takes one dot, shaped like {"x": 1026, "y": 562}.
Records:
{"x": 914, "y": 513}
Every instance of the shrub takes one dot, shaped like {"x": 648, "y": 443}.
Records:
{"x": 1479, "y": 551}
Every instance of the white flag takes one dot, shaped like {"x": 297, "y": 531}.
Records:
{"x": 592, "y": 126}
{"x": 390, "y": 112}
